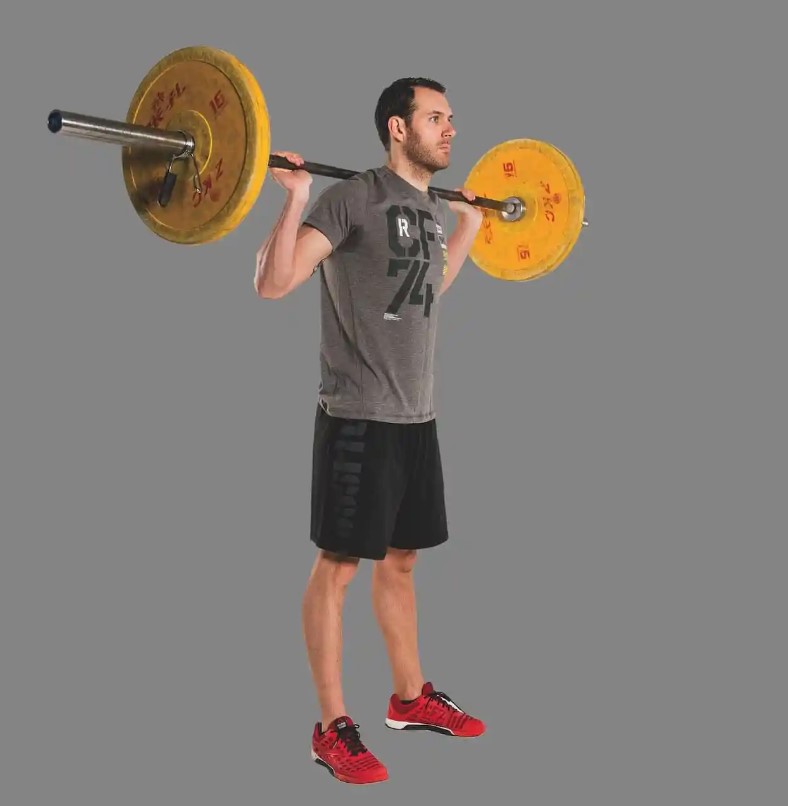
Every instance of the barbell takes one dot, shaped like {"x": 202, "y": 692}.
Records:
{"x": 202, "y": 109}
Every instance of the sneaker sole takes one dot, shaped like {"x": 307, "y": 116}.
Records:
{"x": 395, "y": 724}
{"x": 316, "y": 758}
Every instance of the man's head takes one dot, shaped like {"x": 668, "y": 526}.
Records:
{"x": 414, "y": 119}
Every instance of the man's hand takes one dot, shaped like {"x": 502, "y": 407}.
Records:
{"x": 463, "y": 209}
{"x": 296, "y": 181}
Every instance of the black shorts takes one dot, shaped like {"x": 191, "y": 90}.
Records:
{"x": 376, "y": 485}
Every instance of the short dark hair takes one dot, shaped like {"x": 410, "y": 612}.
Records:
{"x": 399, "y": 99}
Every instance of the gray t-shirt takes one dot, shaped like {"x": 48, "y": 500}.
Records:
{"x": 379, "y": 296}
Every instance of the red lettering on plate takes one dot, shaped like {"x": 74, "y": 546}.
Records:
{"x": 550, "y": 201}
{"x": 163, "y": 101}
{"x": 218, "y": 103}
{"x": 209, "y": 185}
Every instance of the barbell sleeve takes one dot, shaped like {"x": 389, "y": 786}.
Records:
{"x": 114, "y": 131}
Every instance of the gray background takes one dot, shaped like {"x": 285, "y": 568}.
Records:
{"x": 612, "y": 601}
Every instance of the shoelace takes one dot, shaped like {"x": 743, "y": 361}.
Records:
{"x": 350, "y": 737}
{"x": 444, "y": 701}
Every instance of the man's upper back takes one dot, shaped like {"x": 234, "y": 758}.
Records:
{"x": 379, "y": 295}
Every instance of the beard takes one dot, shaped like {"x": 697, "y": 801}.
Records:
{"x": 425, "y": 159}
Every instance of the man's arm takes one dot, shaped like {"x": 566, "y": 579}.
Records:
{"x": 290, "y": 254}
{"x": 294, "y": 249}
{"x": 469, "y": 219}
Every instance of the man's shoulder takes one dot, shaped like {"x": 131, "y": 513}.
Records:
{"x": 351, "y": 188}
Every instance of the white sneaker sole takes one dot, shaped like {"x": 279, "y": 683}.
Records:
{"x": 395, "y": 724}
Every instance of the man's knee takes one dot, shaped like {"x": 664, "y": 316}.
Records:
{"x": 398, "y": 561}
{"x": 337, "y": 569}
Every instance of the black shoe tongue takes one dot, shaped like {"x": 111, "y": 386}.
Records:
{"x": 342, "y": 722}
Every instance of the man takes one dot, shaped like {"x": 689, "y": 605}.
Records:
{"x": 380, "y": 241}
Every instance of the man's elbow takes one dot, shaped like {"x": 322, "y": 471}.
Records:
{"x": 267, "y": 291}
{"x": 273, "y": 294}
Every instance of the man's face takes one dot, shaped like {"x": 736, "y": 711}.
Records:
{"x": 428, "y": 140}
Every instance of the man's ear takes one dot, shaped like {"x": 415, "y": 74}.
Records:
{"x": 397, "y": 128}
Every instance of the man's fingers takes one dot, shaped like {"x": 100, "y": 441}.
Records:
{"x": 292, "y": 156}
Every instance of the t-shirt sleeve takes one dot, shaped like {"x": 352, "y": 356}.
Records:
{"x": 337, "y": 210}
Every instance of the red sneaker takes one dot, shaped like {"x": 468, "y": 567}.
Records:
{"x": 340, "y": 750}
{"x": 433, "y": 710}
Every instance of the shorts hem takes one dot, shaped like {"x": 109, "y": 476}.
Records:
{"x": 369, "y": 555}
{"x": 421, "y": 546}
{"x": 346, "y": 552}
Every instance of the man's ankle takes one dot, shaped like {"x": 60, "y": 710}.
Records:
{"x": 409, "y": 692}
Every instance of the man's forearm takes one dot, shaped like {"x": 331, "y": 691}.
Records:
{"x": 275, "y": 269}
{"x": 459, "y": 244}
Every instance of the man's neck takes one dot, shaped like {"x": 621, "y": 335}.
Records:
{"x": 418, "y": 177}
